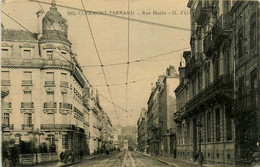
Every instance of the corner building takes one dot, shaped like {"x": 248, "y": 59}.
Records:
{"x": 45, "y": 85}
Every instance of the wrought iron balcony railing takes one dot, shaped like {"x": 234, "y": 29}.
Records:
{"x": 7, "y": 126}
{"x": 222, "y": 85}
{"x": 66, "y": 106}
{"x": 7, "y": 105}
{"x": 27, "y": 105}
{"x": 5, "y": 82}
{"x": 26, "y": 82}
{"x": 27, "y": 126}
{"x": 193, "y": 63}
{"x": 64, "y": 84}
{"x": 221, "y": 27}
{"x": 58, "y": 126}
{"x": 201, "y": 11}
{"x": 50, "y": 105}
{"x": 49, "y": 83}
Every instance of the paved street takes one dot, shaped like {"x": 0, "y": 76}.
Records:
{"x": 122, "y": 159}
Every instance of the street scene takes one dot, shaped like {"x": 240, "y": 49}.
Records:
{"x": 130, "y": 83}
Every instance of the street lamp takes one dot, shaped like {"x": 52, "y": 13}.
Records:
{"x": 200, "y": 155}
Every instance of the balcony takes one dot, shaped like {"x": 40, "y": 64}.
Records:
{"x": 64, "y": 84}
{"x": 5, "y": 82}
{"x": 27, "y": 83}
{"x": 7, "y": 106}
{"x": 207, "y": 42}
{"x": 36, "y": 63}
{"x": 65, "y": 108}
{"x": 193, "y": 64}
{"x": 220, "y": 31}
{"x": 80, "y": 130}
{"x": 219, "y": 90}
{"x": 57, "y": 126}
{"x": 50, "y": 107}
{"x": 222, "y": 28}
{"x": 7, "y": 127}
{"x": 27, "y": 106}
{"x": 49, "y": 84}
{"x": 201, "y": 12}
{"x": 27, "y": 126}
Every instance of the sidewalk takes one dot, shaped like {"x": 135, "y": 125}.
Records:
{"x": 175, "y": 162}
{"x": 179, "y": 162}
{"x": 69, "y": 163}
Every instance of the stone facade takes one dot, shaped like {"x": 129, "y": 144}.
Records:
{"x": 208, "y": 106}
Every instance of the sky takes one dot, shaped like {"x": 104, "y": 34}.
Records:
{"x": 114, "y": 37}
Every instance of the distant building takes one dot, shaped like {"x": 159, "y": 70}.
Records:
{"x": 142, "y": 131}
{"x": 161, "y": 127}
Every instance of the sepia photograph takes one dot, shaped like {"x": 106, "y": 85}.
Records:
{"x": 130, "y": 83}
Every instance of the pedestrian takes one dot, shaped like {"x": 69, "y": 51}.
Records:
{"x": 62, "y": 155}
{"x": 200, "y": 158}
{"x": 107, "y": 151}
{"x": 81, "y": 154}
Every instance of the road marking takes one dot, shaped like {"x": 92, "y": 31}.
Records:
{"x": 133, "y": 162}
{"x": 124, "y": 159}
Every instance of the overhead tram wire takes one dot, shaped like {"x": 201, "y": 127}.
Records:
{"x": 128, "y": 55}
{"x": 64, "y": 58}
{"x": 139, "y": 60}
{"x": 124, "y": 18}
{"x": 100, "y": 61}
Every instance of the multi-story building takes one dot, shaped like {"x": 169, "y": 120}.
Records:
{"x": 91, "y": 100}
{"x": 45, "y": 85}
{"x": 107, "y": 134}
{"x": 142, "y": 131}
{"x": 161, "y": 107}
{"x": 245, "y": 49}
{"x": 221, "y": 66}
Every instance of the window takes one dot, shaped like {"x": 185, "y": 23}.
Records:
{"x": 64, "y": 53}
{"x": 5, "y": 75}
{"x": 64, "y": 77}
{"x": 209, "y": 127}
{"x": 49, "y": 54}
{"x": 253, "y": 79}
{"x": 217, "y": 124}
{"x": 27, "y": 75}
{"x": 65, "y": 141}
{"x": 51, "y": 139}
{"x": 216, "y": 69}
{"x": 27, "y": 96}
{"x": 199, "y": 82}
{"x": 228, "y": 125}
{"x": 241, "y": 87}
{"x": 27, "y": 118}
{"x": 50, "y": 76}
{"x": 240, "y": 42}
{"x": 6, "y": 119}
{"x": 50, "y": 96}
{"x": 253, "y": 31}
{"x": 27, "y": 53}
{"x": 5, "y": 53}
{"x": 207, "y": 76}
{"x": 194, "y": 87}
{"x": 227, "y": 62}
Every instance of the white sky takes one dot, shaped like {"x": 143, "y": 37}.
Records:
{"x": 111, "y": 36}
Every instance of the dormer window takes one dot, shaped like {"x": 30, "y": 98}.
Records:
{"x": 5, "y": 53}
{"x": 49, "y": 54}
{"x": 27, "y": 53}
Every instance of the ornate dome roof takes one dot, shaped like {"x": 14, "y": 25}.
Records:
{"x": 54, "y": 26}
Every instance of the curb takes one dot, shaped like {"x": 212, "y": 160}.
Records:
{"x": 70, "y": 164}
{"x": 165, "y": 162}
{"x": 90, "y": 158}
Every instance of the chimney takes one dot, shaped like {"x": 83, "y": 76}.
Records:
{"x": 39, "y": 23}
{"x": 170, "y": 71}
